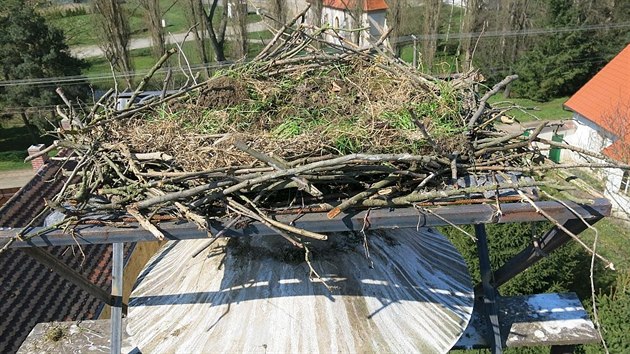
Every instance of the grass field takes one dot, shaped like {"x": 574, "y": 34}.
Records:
{"x": 79, "y": 27}
{"x": 527, "y": 110}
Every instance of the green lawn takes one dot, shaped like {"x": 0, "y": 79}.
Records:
{"x": 14, "y": 165}
{"x": 260, "y": 35}
{"x": 527, "y": 110}
{"x": 613, "y": 242}
{"x": 79, "y": 28}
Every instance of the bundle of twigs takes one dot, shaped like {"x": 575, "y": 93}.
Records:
{"x": 311, "y": 124}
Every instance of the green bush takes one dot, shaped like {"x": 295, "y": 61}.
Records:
{"x": 566, "y": 269}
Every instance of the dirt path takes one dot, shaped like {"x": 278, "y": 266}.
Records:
{"x": 89, "y": 51}
{"x": 15, "y": 178}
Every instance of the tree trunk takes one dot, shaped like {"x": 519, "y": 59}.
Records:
{"x": 217, "y": 37}
{"x": 395, "y": 22}
{"x": 238, "y": 23}
{"x": 153, "y": 20}
{"x": 471, "y": 24}
{"x": 197, "y": 21}
{"x": 431, "y": 29}
{"x": 279, "y": 11}
{"x": 28, "y": 127}
{"x": 115, "y": 32}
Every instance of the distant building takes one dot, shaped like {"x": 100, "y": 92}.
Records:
{"x": 602, "y": 116}
{"x": 344, "y": 17}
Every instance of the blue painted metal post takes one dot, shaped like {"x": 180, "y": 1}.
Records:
{"x": 117, "y": 294}
{"x": 491, "y": 306}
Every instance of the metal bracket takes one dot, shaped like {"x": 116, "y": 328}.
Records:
{"x": 489, "y": 291}
{"x": 550, "y": 241}
{"x": 117, "y": 297}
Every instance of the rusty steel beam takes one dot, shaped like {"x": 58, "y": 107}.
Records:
{"x": 378, "y": 219}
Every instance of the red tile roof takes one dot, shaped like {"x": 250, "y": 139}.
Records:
{"x": 29, "y": 292}
{"x": 605, "y": 100}
{"x": 619, "y": 150}
{"x": 368, "y": 5}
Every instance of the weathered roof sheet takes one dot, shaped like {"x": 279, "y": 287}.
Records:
{"x": 368, "y": 5}
{"x": 30, "y": 292}
{"x": 413, "y": 294}
{"x": 605, "y": 99}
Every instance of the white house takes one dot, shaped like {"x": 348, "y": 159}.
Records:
{"x": 340, "y": 15}
{"x": 602, "y": 118}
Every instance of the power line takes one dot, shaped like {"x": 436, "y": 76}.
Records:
{"x": 97, "y": 77}
{"x": 102, "y": 77}
{"x": 528, "y": 32}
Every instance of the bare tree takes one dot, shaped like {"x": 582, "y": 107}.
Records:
{"x": 203, "y": 20}
{"x": 217, "y": 35}
{"x": 472, "y": 23}
{"x": 431, "y": 28}
{"x": 278, "y": 10}
{"x": 394, "y": 21}
{"x": 115, "y": 33}
{"x": 197, "y": 22}
{"x": 239, "y": 28}
{"x": 153, "y": 21}
{"x": 357, "y": 9}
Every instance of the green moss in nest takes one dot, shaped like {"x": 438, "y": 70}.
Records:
{"x": 55, "y": 333}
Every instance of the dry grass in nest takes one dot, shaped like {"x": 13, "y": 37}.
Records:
{"x": 341, "y": 109}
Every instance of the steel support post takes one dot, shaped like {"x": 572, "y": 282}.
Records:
{"x": 491, "y": 306}
{"x": 550, "y": 241}
{"x": 117, "y": 297}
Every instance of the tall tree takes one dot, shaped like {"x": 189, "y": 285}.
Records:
{"x": 394, "y": 21}
{"x": 279, "y": 10}
{"x": 472, "y": 23}
{"x": 30, "y": 49}
{"x": 153, "y": 21}
{"x": 431, "y": 29}
{"x": 561, "y": 62}
{"x": 115, "y": 34}
{"x": 197, "y": 20}
{"x": 239, "y": 28}
{"x": 216, "y": 34}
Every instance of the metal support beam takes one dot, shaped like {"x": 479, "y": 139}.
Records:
{"x": 549, "y": 242}
{"x": 379, "y": 219}
{"x": 68, "y": 273}
{"x": 562, "y": 349}
{"x": 489, "y": 292}
{"x": 117, "y": 296}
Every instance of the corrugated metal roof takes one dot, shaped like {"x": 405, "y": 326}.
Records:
{"x": 368, "y": 5}
{"x": 605, "y": 99}
{"x": 413, "y": 295}
{"x": 30, "y": 292}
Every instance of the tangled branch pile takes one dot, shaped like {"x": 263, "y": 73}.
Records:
{"x": 308, "y": 125}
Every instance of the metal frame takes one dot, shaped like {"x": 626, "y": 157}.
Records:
{"x": 476, "y": 214}
{"x": 489, "y": 291}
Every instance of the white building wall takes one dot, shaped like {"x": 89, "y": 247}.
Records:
{"x": 587, "y": 135}
{"x": 592, "y": 137}
{"x": 377, "y": 21}
{"x": 342, "y": 20}
{"x": 620, "y": 201}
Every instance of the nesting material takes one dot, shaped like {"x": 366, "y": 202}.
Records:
{"x": 308, "y": 125}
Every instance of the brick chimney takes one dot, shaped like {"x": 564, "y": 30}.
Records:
{"x": 40, "y": 160}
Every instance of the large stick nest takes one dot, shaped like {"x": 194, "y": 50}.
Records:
{"x": 309, "y": 124}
